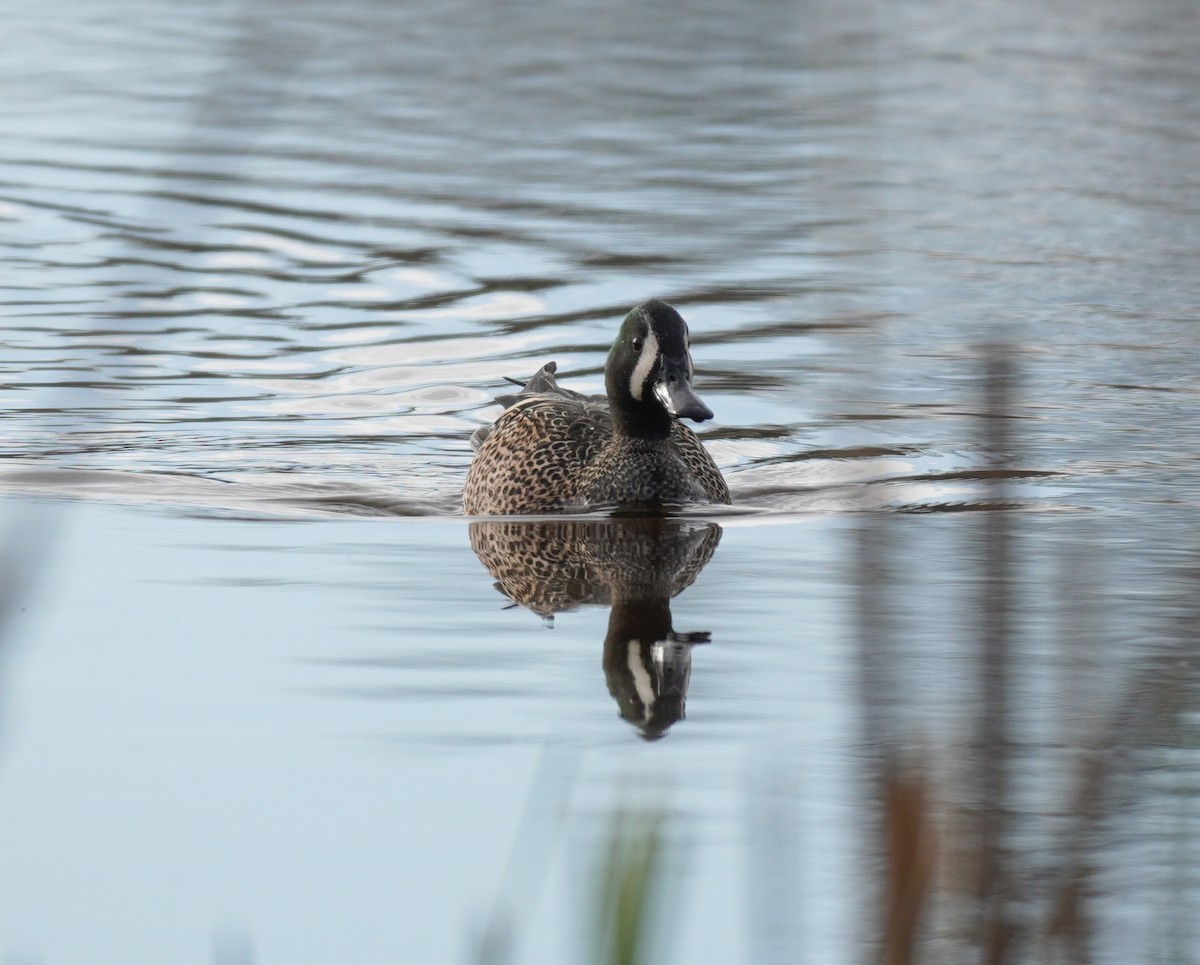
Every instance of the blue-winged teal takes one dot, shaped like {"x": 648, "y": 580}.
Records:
{"x": 554, "y": 449}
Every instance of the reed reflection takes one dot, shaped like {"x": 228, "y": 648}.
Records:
{"x": 1049, "y": 802}
{"x": 634, "y": 565}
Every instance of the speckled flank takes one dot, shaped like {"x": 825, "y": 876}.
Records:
{"x": 553, "y": 449}
{"x": 531, "y": 460}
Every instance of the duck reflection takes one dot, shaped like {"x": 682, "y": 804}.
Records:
{"x": 633, "y": 565}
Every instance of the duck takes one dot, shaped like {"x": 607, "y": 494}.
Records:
{"x": 555, "y": 450}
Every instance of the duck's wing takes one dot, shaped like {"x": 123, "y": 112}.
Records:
{"x": 572, "y": 426}
{"x": 544, "y": 386}
{"x": 544, "y": 383}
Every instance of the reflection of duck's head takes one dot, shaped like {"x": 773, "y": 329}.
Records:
{"x": 647, "y": 665}
{"x": 635, "y": 564}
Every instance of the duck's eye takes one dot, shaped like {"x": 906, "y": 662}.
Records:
{"x": 637, "y": 343}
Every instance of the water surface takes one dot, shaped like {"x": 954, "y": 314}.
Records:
{"x": 266, "y": 265}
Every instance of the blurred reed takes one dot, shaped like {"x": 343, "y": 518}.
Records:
{"x": 629, "y": 910}
{"x": 964, "y": 873}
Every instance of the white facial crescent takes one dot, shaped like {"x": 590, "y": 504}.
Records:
{"x": 645, "y": 365}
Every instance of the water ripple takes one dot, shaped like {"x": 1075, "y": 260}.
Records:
{"x": 321, "y": 265}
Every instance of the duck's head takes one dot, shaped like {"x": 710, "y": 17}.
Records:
{"x": 648, "y": 375}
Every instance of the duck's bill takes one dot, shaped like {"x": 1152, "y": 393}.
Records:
{"x": 680, "y": 400}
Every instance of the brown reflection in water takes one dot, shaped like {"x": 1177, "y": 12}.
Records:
{"x": 1015, "y": 845}
{"x": 994, "y": 922}
{"x": 634, "y": 565}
